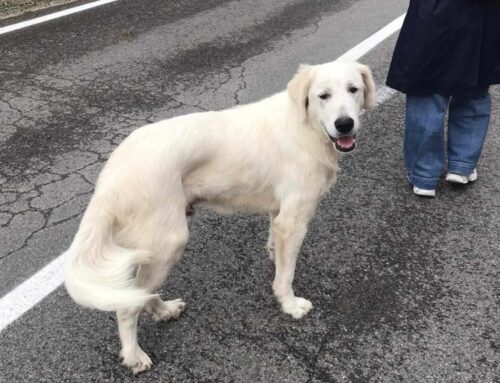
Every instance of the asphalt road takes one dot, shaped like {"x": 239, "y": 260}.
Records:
{"x": 405, "y": 289}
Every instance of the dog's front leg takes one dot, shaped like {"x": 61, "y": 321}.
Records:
{"x": 289, "y": 229}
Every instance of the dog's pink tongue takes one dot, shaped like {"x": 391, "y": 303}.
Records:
{"x": 345, "y": 142}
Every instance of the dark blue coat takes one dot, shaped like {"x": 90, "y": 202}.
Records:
{"x": 447, "y": 47}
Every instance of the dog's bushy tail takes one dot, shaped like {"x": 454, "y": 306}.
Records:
{"x": 100, "y": 273}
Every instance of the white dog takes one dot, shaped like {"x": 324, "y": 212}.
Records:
{"x": 278, "y": 155}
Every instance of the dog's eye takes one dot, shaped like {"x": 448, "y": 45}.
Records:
{"x": 324, "y": 96}
{"x": 353, "y": 89}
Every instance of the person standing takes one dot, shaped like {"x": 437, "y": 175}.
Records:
{"x": 446, "y": 57}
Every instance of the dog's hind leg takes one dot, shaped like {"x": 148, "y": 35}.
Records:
{"x": 165, "y": 310}
{"x": 153, "y": 275}
{"x": 167, "y": 240}
{"x": 133, "y": 356}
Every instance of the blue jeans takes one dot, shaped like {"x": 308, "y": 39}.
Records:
{"x": 424, "y": 141}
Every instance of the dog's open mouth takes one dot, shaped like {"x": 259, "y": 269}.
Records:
{"x": 345, "y": 144}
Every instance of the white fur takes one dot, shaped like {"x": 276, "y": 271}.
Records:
{"x": 272, "y": 156}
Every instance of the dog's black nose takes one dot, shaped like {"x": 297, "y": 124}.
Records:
{"x": 344, "y": 124}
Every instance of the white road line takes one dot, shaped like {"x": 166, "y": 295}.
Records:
{"x": 37, "y": 287}
{"x": 371, "y": 42}
{"x": 52, "y": 16}
{"x": 383, "y": 94}
{"x": 31, "y": 291}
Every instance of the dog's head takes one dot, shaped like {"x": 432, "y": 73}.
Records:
{"x": 330, "y": 98}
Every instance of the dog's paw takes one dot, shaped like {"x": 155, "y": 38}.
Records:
{"x": 297, "y": 307}
{"x": 137, "y": 360}
{"x": 166, "y": 310}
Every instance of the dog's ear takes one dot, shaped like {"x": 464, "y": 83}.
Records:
{"x": 369, "y": 92}
{"x": 298, "y": 87}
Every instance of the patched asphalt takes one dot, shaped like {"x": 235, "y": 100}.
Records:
{"x": 404, "y": 289}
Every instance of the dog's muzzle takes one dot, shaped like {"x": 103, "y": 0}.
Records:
{"x": 345, "y": 138}
{"x": 344, "y": 144}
